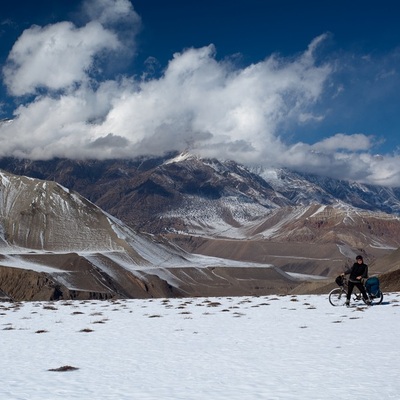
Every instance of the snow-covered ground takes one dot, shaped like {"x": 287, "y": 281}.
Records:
{"x": 272, "y": 347}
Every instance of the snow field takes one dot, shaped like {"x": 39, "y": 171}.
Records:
{"x": 269, "y": 347}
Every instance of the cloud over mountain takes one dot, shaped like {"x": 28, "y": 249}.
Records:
{"x": 71, "y": 106}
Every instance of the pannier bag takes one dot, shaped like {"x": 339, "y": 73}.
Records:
{"x": 372, "y": 286}
{"x": 340, "y": 280}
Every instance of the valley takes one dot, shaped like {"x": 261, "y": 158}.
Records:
{"x": 184, "y": 226}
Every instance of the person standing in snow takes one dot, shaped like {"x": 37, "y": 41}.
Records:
{"x": 357, "y": 272}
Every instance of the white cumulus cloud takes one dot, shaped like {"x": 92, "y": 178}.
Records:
{"x": 355, "y": 142}
{"x": 55, "y": 57}
{"x": 209, "y": 106}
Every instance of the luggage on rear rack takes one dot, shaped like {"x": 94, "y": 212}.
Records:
{"x": 372, "y": 286}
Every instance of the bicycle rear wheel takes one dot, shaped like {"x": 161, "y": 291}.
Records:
{"x": 337, "y": 297}
{"x": 377, "y": 299}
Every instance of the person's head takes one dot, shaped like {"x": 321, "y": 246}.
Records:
{"x": 359, "y": 259}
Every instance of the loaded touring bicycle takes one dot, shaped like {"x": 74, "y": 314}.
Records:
{"x": 337, "y": 297}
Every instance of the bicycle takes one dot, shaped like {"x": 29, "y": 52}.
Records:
{"x": 338, "y": 296}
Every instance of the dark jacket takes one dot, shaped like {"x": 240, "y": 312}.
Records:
{"x": 357, "y": 270}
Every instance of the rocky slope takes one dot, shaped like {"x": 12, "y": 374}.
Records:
{"x": 56, "y": 244}
{"x": 300, "y": 223}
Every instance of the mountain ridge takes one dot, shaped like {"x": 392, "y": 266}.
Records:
{"x": 56, "y": 244}
{"x": 299, "y": 223}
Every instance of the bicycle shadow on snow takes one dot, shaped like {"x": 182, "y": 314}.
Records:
{"x": 384, "y": 303}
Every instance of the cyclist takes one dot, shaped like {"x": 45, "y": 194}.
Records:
{"x": 357, "y": 272}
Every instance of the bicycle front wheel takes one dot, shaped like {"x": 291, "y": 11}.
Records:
{"x": 337, "y": 297}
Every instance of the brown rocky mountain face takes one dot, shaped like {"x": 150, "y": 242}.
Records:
{"x": 54, "y": 241}
{"x": 56, "y": 244}
{"x": 298, "y": 224}
{"x": 141, "y": 191}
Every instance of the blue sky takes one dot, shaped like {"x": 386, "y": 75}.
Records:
{"x": 311, "y": 85}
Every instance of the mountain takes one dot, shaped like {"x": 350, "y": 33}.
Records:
{"x": 299, "y": 222}
{"x": 177, "y": 180}
{"x": 70, "y": 243}
{"x": 54, "y": 244}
